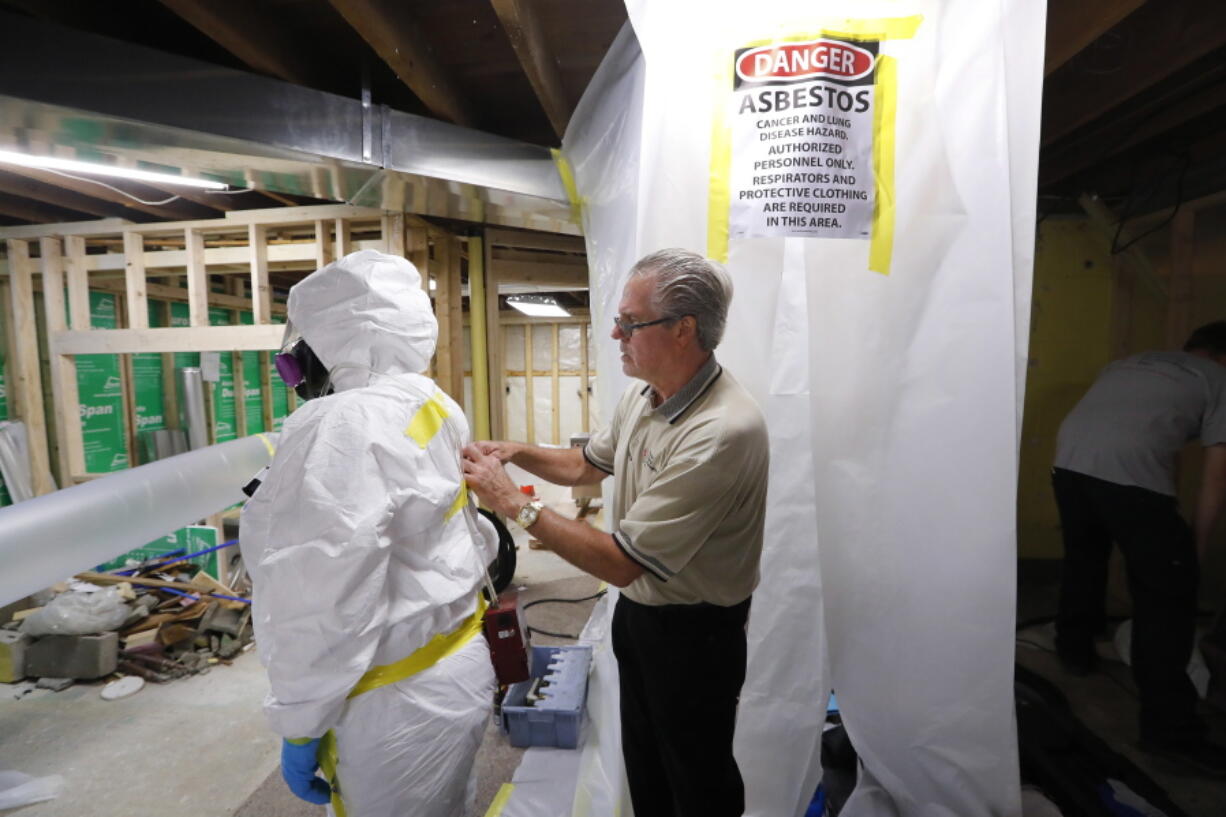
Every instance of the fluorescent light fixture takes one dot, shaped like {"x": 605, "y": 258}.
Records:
{"x": 538, "y": 306}
{"x": 73, "y": 166}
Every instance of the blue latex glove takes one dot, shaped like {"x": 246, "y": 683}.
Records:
{"x": 298, "y": 765}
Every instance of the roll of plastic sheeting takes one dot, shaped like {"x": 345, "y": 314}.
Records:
{"x": 45, "y": 539}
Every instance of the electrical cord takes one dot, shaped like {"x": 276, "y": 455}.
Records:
{"x": 595, "y": 595}
{"x": 532, "y": 629}
{"x": 1116, "y": 249}
{"x": 552, "y": 635}
{"x": 136, "y": 199}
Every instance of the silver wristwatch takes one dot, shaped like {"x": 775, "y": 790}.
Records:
{"x": 528, "y": 514}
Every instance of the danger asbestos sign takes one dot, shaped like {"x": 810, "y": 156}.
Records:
{"x": 802, "y": 140}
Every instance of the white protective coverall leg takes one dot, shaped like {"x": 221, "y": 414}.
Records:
{"x": 367, "y": 556}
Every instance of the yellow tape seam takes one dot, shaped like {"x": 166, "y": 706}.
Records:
{"x": 500, "y": 800}
{"x": 427, "y": 422}
{"x": 461, "y": 502}
{"x": 329, "y": 758}
{"x": 434, "y": 650}
{"x": 881, "y": 248}
{"x": 567, "y": 174}
{"x": 272, "y": 451}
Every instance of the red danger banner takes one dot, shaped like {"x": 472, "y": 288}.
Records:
{"x": 802, "y": 138}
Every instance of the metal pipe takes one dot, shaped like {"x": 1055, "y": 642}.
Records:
{"x": 45, "y": 539}
{"x": 480, "y": 343}
{"x": 191, "y": 407}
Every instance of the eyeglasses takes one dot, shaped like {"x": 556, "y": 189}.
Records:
{"x": 627, "y": 329}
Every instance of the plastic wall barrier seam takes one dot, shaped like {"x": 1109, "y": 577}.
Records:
{"x": 568, "y": 182}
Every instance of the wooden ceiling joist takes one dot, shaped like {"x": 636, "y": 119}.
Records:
{"x": 98, "y": 191}
{"x": 36, "y": 211}
{"x": 1074, "y": 24}
{"x": 523, "y": 29}
{"x": 1155, "y": 42}
{"x": 252, "y": 36}
{"x": 16, "y": 185}
{"x": 1128, "y": 132}
{"x": 396, "y": 38}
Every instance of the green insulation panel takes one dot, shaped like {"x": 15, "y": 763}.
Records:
{"x": 280, "y": 399}
{"x": 148, "y": 386}
{"x": 101, "y": 396}
{"x": 191, "y": 539}
{"x": 180, "y": 315}
{"x": 225, "y": 416}
{"x": 253, "y": 393}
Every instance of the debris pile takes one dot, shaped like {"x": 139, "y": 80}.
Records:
{"x": 160, "y": 620}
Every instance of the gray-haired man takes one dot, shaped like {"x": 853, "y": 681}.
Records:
{"x": 689, "y": 453}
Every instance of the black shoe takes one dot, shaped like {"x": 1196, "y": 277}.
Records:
{"x": 1078, "y": 664}
{"x": 1200, "y": 756}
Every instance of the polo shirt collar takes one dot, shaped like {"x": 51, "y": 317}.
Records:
{"x": 675, "y": 406}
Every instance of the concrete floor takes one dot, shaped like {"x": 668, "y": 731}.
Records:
{"x": 1106, "y": 701}
{"x": 200, "y": 746}
{"x": 195, "y": 746}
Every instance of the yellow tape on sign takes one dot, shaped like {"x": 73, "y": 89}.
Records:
{"x": 719, "y": 197}
{"x": 881, "y": 248}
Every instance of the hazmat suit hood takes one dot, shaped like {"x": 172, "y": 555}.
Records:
{"x": 365, "y": 315}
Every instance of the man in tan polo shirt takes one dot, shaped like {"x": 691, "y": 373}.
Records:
{"x": 689, "y": 453}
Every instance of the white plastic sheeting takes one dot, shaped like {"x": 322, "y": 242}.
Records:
{"x": 15, "y": 460}
{"x": 570, "y": 386}
{"x": 894, "y": 399}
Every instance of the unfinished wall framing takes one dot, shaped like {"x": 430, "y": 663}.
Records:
{"x": 117, "y": 308}
{"x": 1103, "y": 293}
{"x": 512, "y": 259}
{"x": 126, "y": 304}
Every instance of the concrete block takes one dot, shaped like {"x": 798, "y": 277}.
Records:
{"x": 54, "y": 684}
{"x": 13, "y": 646}
{"x": 7, "y": 610}
{"x": 73, "y": 656}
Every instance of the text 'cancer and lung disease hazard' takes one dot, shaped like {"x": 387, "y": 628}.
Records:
{"x": 802, "y": 140}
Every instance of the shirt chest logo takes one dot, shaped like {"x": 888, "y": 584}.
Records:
{"x": 648, "y": 459}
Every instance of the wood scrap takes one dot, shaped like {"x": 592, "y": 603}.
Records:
{"x": 182, "y": 587}
{"x": 171, "y": 634}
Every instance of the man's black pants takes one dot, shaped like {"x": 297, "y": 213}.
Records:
{"x": 1160, "y": 557}
{"x": 681, "y": 669}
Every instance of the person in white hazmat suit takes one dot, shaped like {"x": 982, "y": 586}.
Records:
{"x": 368, "y": 558}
